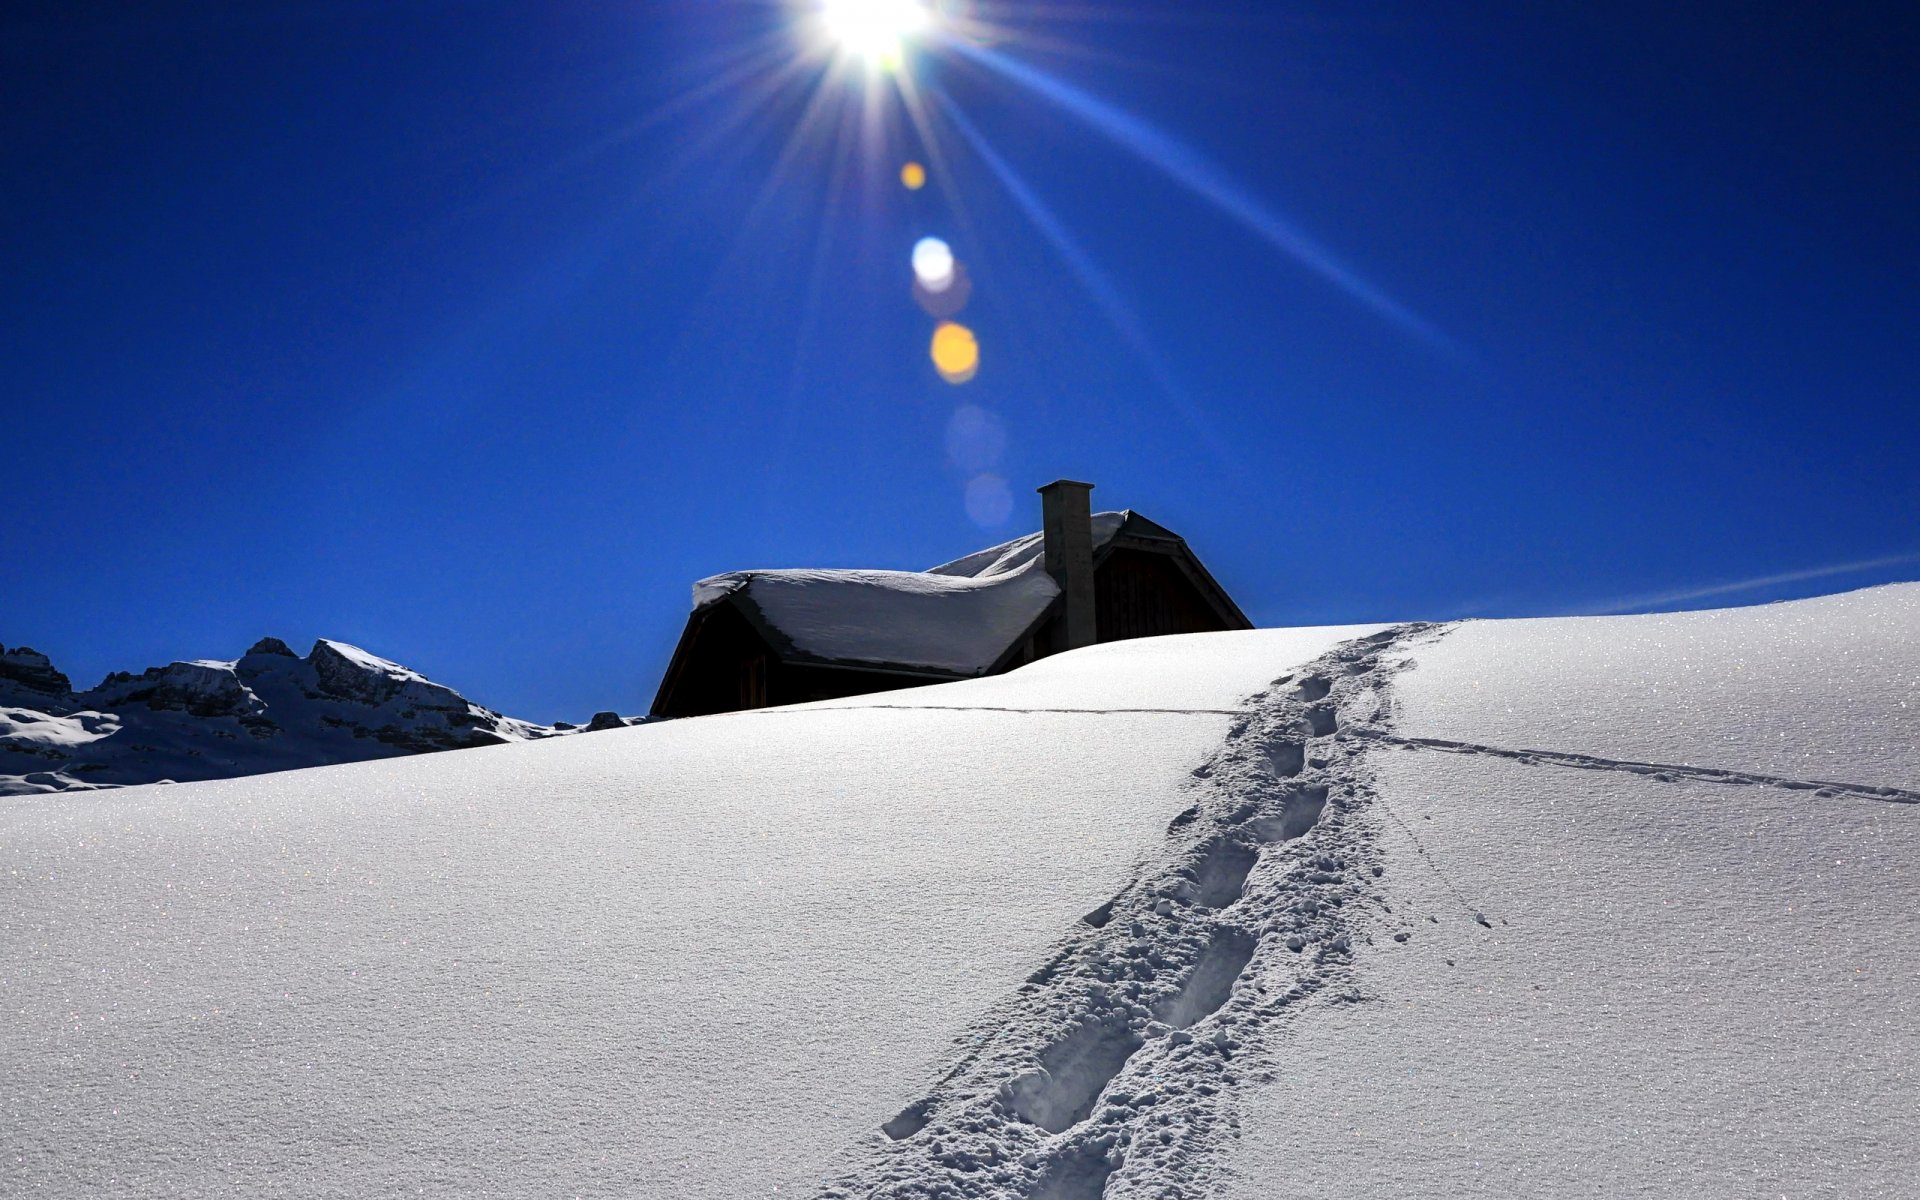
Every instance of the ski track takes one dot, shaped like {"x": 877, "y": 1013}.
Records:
{"x": 1664, "y": 772}
{"x": 1110, "y": 1073}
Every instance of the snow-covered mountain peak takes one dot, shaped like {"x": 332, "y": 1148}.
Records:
{"x": 270, "y": 646}
{"x": 268, "y": 710}
{"x": 350, "y": 673}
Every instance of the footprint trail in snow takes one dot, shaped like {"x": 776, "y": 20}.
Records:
{"x": 1112, "y": 1072}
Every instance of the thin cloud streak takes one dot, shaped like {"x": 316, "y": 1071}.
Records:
{"x": 1663, "y": 599}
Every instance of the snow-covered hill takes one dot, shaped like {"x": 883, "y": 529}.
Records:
{"x": 269, "y": 710}
{"x": 1587, "y": 907}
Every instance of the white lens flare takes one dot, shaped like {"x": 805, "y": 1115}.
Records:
{"x": 875, "y": 30}
{"x": 933, "y": 264}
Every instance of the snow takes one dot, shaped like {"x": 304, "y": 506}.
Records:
{"x": 1827, "y": 688}
{"x": 28, "y": 730}
{"x": 1010, "y": 556}
{"x": 1182, "y": 672}
{"x": 1584, "y": 907}
{"x": 371, "y": 663}
{"x": 959, "y": 617}
{"x": 689, "y": 959}
{"x": 1688, "y": 989}
{"x": 906, "y": 618}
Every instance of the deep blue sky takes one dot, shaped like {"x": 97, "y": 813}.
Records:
{"x": 473, "y": 333}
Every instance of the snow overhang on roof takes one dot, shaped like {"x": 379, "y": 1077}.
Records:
{"x": 957, "y": 618}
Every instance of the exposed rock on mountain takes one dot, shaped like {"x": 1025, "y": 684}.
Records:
{"x": 269, "y": 710}
{"x": 25, "y": 669}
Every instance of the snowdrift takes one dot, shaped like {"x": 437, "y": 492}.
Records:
{"x": 1577, "y": 907}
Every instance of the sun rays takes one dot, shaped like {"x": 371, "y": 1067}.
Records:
{"x": 853, "y": 98}
{"x": 866, "y": 51}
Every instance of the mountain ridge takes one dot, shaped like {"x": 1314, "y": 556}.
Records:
{"x": 268, "y": 710}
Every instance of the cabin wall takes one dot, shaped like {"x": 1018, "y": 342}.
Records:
{"x": 1141, "y": 594}
{"x": 726, "y": 667}
{"x": 794, "y": 683}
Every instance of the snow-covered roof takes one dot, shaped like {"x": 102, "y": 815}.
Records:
{"x": 957, "y": 618}
{"x": 1015, "y": 555}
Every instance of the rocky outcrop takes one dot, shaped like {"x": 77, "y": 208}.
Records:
{"x": 269, "y": 710}
{"x": 25, "y": 672}
{"x": 200, "y": 689}
{"x": 403, "y": 708}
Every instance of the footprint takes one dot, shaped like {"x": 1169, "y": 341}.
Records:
{"x": 1061, "y": 1092}
{"x": 1099, "y": 917}
{"x": 912, "y": 1119}
{"x": 1321, "y": 721}
{"x": 1286, "y": 758}
{"x": 1312, "y": 688}
{"x": 1079, "y": 1174}
{"x": 1211, "y": 982}
{"x": 1298, "y": 814}
{"x": 1221, "y": 875}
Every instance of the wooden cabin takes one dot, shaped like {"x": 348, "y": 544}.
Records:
{"x": 759, "y": 638}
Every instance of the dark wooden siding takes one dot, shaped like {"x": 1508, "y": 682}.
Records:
{"x": 797, "y": 683}
{"x": 724, "y": 666}
{"x": 1141, "y": 594}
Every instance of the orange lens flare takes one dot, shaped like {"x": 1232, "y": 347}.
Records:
{"x": 913, "y": 176}
{"x": 955, "y": 352}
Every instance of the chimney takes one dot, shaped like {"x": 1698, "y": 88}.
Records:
{"x": 1067, "y": 529}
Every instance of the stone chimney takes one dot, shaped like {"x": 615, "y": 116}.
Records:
{"x": 1066, "y": 526}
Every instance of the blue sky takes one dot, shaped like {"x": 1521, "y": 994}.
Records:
{"x": 473, "y": 333}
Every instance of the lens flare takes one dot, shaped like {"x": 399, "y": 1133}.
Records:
{"x": 989, "y": 500}
{"x": 875, "y": 30}
{"x": 913, "y": 176}
{"x": 933, "y": 264}
{"x": 976, "y": 439}
{"x": 955, "y": 352}
{"x": 950, "y": 300}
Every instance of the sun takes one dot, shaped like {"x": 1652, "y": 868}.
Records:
{"x": 875, "y": 30}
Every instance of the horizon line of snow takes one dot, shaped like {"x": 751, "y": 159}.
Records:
{"x": 1681, "y": 596}
{"x": 794, "y": 711}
